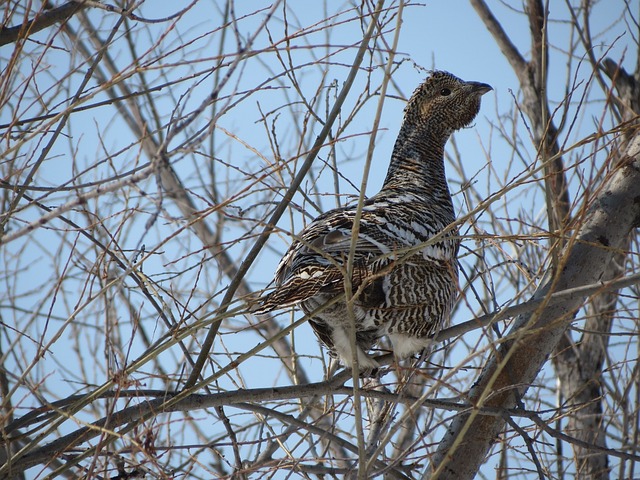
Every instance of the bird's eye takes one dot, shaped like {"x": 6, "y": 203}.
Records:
{"x": 445, "y": 91}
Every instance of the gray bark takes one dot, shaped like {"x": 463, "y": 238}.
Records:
{"x": 579, "y": 364}
{"x": 509, "y": 373}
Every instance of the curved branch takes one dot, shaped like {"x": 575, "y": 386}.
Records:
{"x": 508, "y": 49}
{"x": 41, "y": 21}
{"x": 532, "y": 77}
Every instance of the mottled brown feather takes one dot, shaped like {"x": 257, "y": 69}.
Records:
{"x": 408, "y": 282}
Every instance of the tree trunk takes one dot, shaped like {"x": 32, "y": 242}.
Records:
{"x": 515, "y": 365}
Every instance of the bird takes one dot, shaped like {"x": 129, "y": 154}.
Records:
{"x": 404, "y": 282}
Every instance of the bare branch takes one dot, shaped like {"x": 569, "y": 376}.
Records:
{"x": 42, "y": 20}
{"x": 517, "y": 362}
{"x": 508, "y": 49}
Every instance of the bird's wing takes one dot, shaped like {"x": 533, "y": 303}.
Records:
{"x": 317, "y": 258}
{"x": 321, "y": 250}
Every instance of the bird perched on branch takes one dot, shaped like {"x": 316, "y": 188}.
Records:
{"x": 402, "y": 274}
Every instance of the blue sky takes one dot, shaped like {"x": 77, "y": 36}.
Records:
{"x": 436, "y": 34}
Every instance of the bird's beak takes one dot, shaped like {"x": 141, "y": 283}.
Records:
{"x": 480, "y": 88}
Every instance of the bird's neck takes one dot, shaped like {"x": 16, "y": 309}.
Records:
{"x": 417, "y": 162}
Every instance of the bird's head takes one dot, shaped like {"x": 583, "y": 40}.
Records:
{"x": 445, "y": 101}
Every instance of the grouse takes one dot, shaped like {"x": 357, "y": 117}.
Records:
{"x": 403, "y": 281}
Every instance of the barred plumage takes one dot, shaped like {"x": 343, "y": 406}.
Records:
{"x": 405, "y": 283}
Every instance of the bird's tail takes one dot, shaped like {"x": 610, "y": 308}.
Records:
{"x": 262, "y": 306}
{"x": 270, "y": 302}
